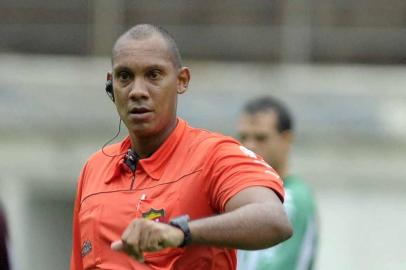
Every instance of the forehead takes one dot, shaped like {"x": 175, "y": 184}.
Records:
{"x": 265, "y": 121}
{"x": 149, "y": 51}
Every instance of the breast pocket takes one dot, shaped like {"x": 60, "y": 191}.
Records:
{"x": 157, "y": 204}
{"x": 90, "y": 244}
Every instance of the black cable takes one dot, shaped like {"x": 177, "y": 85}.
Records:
{"x": 109, "y": 141}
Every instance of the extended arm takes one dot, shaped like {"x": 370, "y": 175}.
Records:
{"x": 254, "y": 218}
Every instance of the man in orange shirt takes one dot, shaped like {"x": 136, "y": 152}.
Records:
{"x": 169, "y": 196}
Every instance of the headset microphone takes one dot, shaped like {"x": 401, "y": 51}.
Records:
{"x": 131, "y": 158}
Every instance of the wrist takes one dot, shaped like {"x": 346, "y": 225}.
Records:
{"x": 182, "y": 223}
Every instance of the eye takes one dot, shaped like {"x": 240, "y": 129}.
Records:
{"x": 260, "y": 137}
{"x": 154, "y": 74}
{"x": 243, "y": 137}
{"x": 124, "y": 76}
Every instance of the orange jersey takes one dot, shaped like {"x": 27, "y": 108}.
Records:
{"x": 194, "y": 172}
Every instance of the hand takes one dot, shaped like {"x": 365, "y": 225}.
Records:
{"x": 145, "y": 235}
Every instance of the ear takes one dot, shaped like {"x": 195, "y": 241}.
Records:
{"x": 287, "y": 136}
{"x": 109, "y": 76}
{"x": 183, "y": 80}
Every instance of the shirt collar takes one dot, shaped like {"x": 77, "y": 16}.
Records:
{"x": 154, "y": 165}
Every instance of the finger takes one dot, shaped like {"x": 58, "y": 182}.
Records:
{"x": 145, "y": 240}
{"x": 152, "y": 244}
{"x": 117, "y": 245}
{"x": 161, "y": 244}
{"x": 156, "y": 240}
{"x": 127, "y": 231}
{"x": 139, "y": 258}
{"x": 133, "y": 245}
{"x": 130, "y": 238}
{"x": 155, "y": 246}
{"x": 121, "y": 246}
{"x": 133, "y": 241}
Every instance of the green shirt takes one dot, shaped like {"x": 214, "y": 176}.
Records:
{"x": 299, "y": 251}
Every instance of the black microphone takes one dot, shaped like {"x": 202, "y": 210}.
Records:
{"x": 131, "y": 159}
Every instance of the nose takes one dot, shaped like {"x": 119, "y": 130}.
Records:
{"x": 139, "y": 89}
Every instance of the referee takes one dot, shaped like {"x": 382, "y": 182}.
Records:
{"x": 169, "y": 196}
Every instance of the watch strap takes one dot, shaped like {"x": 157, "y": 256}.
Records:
{"x": 181, "y": 222}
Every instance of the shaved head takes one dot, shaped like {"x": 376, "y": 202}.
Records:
{"x": 145, "y": 31}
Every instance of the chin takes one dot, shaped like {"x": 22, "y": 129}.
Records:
{"x": 147, "y": 128}
{"x": 141, "y": 129}
{"x": 143, "y": 132}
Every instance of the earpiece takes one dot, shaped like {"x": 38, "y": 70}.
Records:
{"x": 182, "y": 90}
{"x": 109, "y": 89}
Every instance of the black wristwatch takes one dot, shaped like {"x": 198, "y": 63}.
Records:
{"x": 181, "y": 222}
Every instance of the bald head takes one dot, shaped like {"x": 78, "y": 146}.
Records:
{"x": 145, "y": 31}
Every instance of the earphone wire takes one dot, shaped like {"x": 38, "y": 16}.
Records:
{"x": 109, "y": 141}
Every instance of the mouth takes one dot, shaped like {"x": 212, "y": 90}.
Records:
{"x": 139, "y": 110}
{"x": 140, "y": 114}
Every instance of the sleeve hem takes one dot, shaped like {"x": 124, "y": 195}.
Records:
{"x": 276, "y": 188}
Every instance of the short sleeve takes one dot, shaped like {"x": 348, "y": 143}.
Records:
{"x": 235, "y": 168}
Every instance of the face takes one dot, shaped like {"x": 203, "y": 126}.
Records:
{"x": 259, "y": 133}
{"x": 146, "y": 84}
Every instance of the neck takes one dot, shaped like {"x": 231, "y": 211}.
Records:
{"x": 282, "y": 170}
{"x": 145, "y": 146}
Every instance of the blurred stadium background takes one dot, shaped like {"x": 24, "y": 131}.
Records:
{"x": 339, "y": 65}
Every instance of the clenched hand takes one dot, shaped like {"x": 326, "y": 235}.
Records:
{"x": 145, "y": 235}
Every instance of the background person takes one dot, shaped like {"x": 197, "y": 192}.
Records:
{"x": 4, "y": 255}
{"x": 266, "y": 127}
